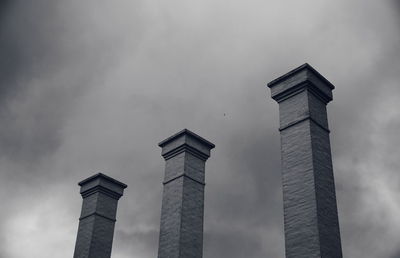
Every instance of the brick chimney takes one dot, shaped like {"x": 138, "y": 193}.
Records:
{"x": 100, "y": 195}
{"x": 181, "y": 229}
{"x": 310, "y": 211}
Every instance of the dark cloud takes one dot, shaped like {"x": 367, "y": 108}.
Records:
{"x": 44, "y": 71}
{"x": 32, "y": 107}
{"x": 26, "y": 45}
{"x": 233, "y": 243}
{"x": 95, "y": 85}
{"x": 396, "y": 4}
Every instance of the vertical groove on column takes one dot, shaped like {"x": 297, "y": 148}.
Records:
{"x": 182, "y": 211}
{"x": 310, "y": 209}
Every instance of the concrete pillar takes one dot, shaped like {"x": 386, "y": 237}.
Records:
{"x": 100, "y": 195}
{"x": 310, "y": 211}
{"x": 182, "y": 211}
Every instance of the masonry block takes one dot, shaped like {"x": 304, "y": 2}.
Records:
{"x": 182, "y": 211}
{"x": 310, "y": 209}
{"x": 100, "y": 195}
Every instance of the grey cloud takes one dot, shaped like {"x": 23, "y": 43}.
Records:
{"x": 233, "y": 243}
{"x": 32, "y": 106}
{"x": 89, "y": 86}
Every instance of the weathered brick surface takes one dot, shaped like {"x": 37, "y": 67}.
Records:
{"x": 182, "y": 211}
{"x": 325, "y": 192}
{"x": 191, "y": 241}
{"x": 96, "y": 224}
{"x": 310, "y": 210}
{"x": 171, "y": 212}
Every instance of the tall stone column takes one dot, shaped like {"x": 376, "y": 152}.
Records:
{"x": 182, "y": 211}
{"x": 100, "y": 195}
{"x": 310, "y": 211}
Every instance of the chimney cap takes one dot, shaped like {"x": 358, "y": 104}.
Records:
{"x": 187, "y": 132}
{"x": 101, "y": 175}
{"x": 104, "y": 183}
{"x": 304, "y": 76}
{"x": 298, "y": 69}
{"x": 186, "y": 141}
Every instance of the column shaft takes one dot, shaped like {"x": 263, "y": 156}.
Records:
{"x": 310, "y": 210}
{"x": 182, "y": 211}
{"x": 100, "y": 195}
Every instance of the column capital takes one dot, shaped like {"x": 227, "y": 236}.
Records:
{"x": 304, "y": 77}
{"x": 102, "y": 183}
{"x": 186, "y": 141}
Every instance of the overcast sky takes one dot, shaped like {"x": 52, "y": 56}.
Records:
{"x": 89, "y": 86}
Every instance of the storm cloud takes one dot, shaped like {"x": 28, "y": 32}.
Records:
{"x": 95, "y": 85}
